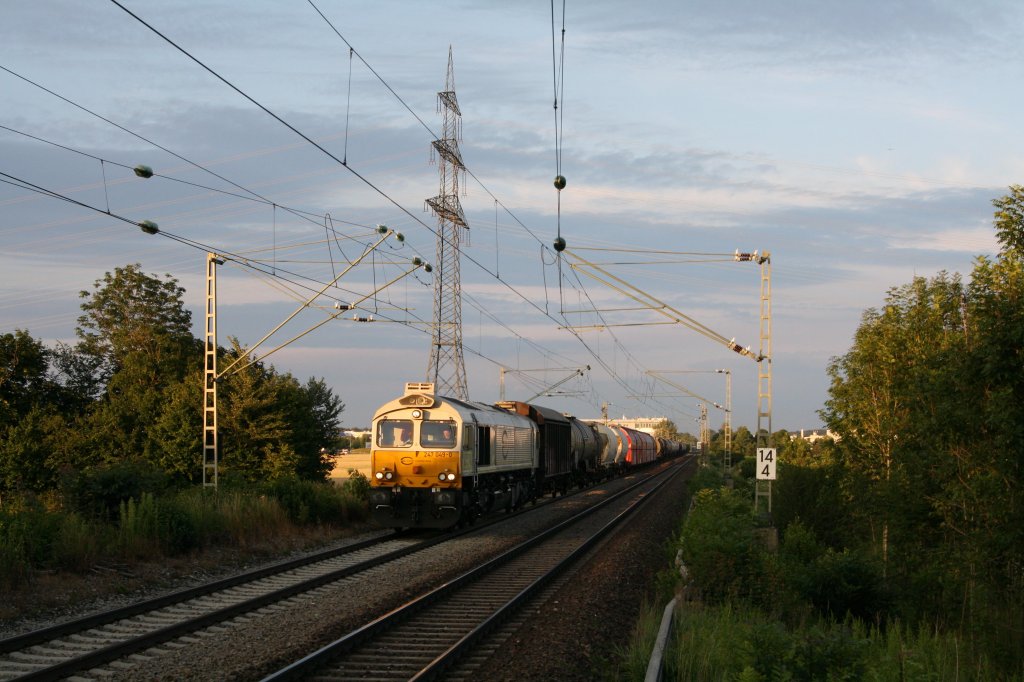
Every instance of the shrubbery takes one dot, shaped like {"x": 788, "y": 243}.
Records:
{"x": 804, "y": 612}
{"x": 148, "y": 524}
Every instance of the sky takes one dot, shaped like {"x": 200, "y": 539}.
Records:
{"x": 858, "y": 144}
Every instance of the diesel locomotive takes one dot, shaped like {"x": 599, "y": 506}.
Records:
{"x": 437, "y": 461}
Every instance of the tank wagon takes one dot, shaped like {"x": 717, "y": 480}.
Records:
{"x": 438, "y": 461}
{"x": 612, "y": 453}
{"x": 640, "y": 448}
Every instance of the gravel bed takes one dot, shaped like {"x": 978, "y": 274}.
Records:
{"x": 251, "y": 646}
{"x": 579, "y": 632}
{"x": 57, "y": 597}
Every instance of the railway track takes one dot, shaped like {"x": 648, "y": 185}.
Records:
{"x": 431, "y": 633}
{"x": 55, "y": 652}
{"x": 113, "y": 642}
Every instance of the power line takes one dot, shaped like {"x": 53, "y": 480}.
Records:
{"x": 341, "y": 162}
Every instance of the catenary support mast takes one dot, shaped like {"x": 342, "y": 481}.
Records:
{"x": 210, "y": 451}
{"x": 763, "y": 489}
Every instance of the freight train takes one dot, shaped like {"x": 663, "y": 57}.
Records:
{"x": 438, "y": 461}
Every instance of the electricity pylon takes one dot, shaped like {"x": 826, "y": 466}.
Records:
{"x": 447, "y": 369}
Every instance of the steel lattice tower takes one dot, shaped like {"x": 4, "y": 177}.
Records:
{"x": 446, "y": 368}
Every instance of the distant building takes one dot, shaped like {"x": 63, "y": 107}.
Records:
{"x": 645, "y": 424}
{"x": 811, "y": 435}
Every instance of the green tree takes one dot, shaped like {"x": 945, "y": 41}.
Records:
{"x": 26, "y": 451}
{"x": 929, "y": 407}
{"x": 250, "y": 422}
{"x": 129, "y": 397}
{"x": 24, "y": 380}
{"x": 316, "y": 428}
{"x": 135, "y": 333}
{"x": 79, "y": 377}
{"x": 886, "y": 404}
{"x": 32, "y": 409}
{"x": 130, "y": 316}
{"x": 1009, "y": 222}
{"x": 743, "y": 442}
{"x": 176, "y": 443}
{"x": 666, "y": 429}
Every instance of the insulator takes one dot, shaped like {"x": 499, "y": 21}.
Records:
{"x": 559, "y": 182}
{"x": 143, "y": 171}
{"x": 382, "y": 229}
{"x": 417, "y": 261}
{"x": 149, "y": 227}
{"x": 428, "y": 267}
{"x": 399, "y": 236}
{"x": 559, "y": 244}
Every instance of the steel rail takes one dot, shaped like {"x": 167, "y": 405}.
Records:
{"x": 351, "y": 642}
{"x": 22, "y": 644}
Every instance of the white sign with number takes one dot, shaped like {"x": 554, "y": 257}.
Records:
{"x": 766, "y": 464}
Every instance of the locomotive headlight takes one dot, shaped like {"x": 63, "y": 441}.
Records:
{"x": 380, "y": 475}
{"x": 388, "y": 475}
{"x": 417, "y": 414}
{"x": 446, "y": 476}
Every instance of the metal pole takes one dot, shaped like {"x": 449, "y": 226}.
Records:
{"x": 763, "y": 489}
{"x": 727, "y": 455}
{"x": 210, "y": 434}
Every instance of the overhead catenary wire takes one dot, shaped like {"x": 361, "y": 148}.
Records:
{"x": 498, "y": 203}
{"x": 252, "y": 252}
{"x": 132, "y": 133}
{"x": 325, "y": 151}
{"x": 246, "y": 262}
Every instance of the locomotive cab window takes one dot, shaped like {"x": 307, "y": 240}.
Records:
{"x": 437, "y": 434}
{"x": 393, "y": 433}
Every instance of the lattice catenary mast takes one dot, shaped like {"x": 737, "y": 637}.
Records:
{"x": 447, "y": 369}
{"x": 210, "y": 433}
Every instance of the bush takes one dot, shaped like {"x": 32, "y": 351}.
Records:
{"x": 101, "y": 491}
{"x": 79, "y": 542}
{"x": 821, "y": 652}
{"x": 845, "y": 583}
{"x": 178, "y": 530}
{"x": 705, "y": 478}
{"x": 317, "y": 502}
{"x": 357, "y": 486}
{"x": 27, "y": 537}
{"x": 717, "y": 543}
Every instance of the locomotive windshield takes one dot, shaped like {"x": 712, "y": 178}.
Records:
{"x": 437, "y": 434}
{"x": 392, "y": 433}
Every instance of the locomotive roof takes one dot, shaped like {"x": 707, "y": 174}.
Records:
{"x": 546, "y": 414}
{"x": 464, "y": 407}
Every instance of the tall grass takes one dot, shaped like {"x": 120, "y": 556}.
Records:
{"x": 734, "y": 642}
{"x": 138, "y": 529}
{"x": 148, "y": 526}
{"x": 79, "y": 542}
{"x": 633, "y": 656}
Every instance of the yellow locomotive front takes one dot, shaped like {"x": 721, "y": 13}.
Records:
{"x": 415, "y": 461}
